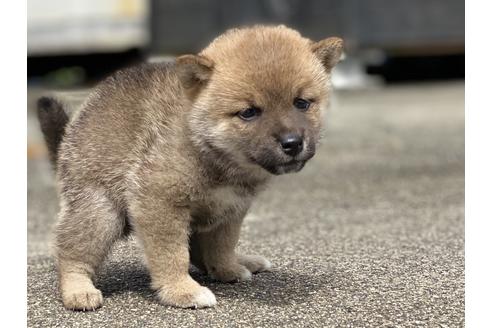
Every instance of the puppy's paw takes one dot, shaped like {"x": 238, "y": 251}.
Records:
{"x": 186, "y": 294}
{"x": 82, "y": 299}
{"x": 254, "y": 263}
{"x": 232, "y": 273}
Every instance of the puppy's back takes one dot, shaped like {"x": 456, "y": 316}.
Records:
{"x": 122, "y": 116}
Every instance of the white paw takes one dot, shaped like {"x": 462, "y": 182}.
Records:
{"x": 245, "y": 275}
{"x": 187, "y": 294}
{"x": 204, "y": 298}
{"x": 255, "y": 263}
{"x": 233, "y": 273}
{"x": 267, "y": 265}
{"x": 82, "y": 299}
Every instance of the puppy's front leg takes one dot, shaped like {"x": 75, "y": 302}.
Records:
{"x": 218, "y": 257}
{"x": 163, "y": 231}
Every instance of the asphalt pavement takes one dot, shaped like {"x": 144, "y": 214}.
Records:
{"x": 369, "y": 234}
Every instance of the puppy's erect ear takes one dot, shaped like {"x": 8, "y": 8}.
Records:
{"x": 194, "y": 72}
{"x": 328, "y": 51}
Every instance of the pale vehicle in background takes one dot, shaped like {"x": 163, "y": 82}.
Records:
{"x": 75, "y": 27}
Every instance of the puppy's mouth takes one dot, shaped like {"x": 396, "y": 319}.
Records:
{"x": 282, "y": 168}
{"x": 290, "y": 167}
{"x": 278, "y": 165}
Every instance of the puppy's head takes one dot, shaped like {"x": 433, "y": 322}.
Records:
{"x": 258, "y": 94}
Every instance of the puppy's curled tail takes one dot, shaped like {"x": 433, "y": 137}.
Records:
{"x": 53, "y": 120}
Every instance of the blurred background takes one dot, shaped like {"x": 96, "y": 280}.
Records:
{"x": 369, "y": 234}
{"x": 74, "y": 42}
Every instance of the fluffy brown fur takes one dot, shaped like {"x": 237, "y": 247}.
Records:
{"x": 166, "y": 150}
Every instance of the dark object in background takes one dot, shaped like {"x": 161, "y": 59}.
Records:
{"x": 419, "y": 68}
{"x": 404, "y": 25}
{"x": 420, "y": 39}
{"x": 73, "y": 70}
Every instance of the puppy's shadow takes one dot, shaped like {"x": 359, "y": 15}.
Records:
{"x": 278, "y": 287}
{"x": 119, "y": 278}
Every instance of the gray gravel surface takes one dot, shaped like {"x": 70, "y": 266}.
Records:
{"x": 369, "y": 234}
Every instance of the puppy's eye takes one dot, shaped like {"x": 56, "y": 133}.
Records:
{"x": 249, "y": 114}
{"x": 302, "y": 104}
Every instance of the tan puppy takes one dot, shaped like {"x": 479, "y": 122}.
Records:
{"x": 176, "y": 152}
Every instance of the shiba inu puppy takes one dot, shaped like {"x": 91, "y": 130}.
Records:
{"x": 176, "y": 153}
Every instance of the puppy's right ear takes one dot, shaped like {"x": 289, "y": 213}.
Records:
{"x": 194, "y": 72}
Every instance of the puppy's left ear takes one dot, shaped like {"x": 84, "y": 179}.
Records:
{"x": 328, "y": 51}
{"x": 194, "y": 72}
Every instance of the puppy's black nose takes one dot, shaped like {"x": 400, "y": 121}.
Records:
{"x": 291, "y": 144}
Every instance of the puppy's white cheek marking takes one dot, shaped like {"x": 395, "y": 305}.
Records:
{"x": 222, "y": 127}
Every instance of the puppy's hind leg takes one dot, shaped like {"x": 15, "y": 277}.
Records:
{"x": 216, "y": 249}
{"x": 88, "y": 226}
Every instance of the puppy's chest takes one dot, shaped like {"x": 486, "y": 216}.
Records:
{"x": 218, "y": 205}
